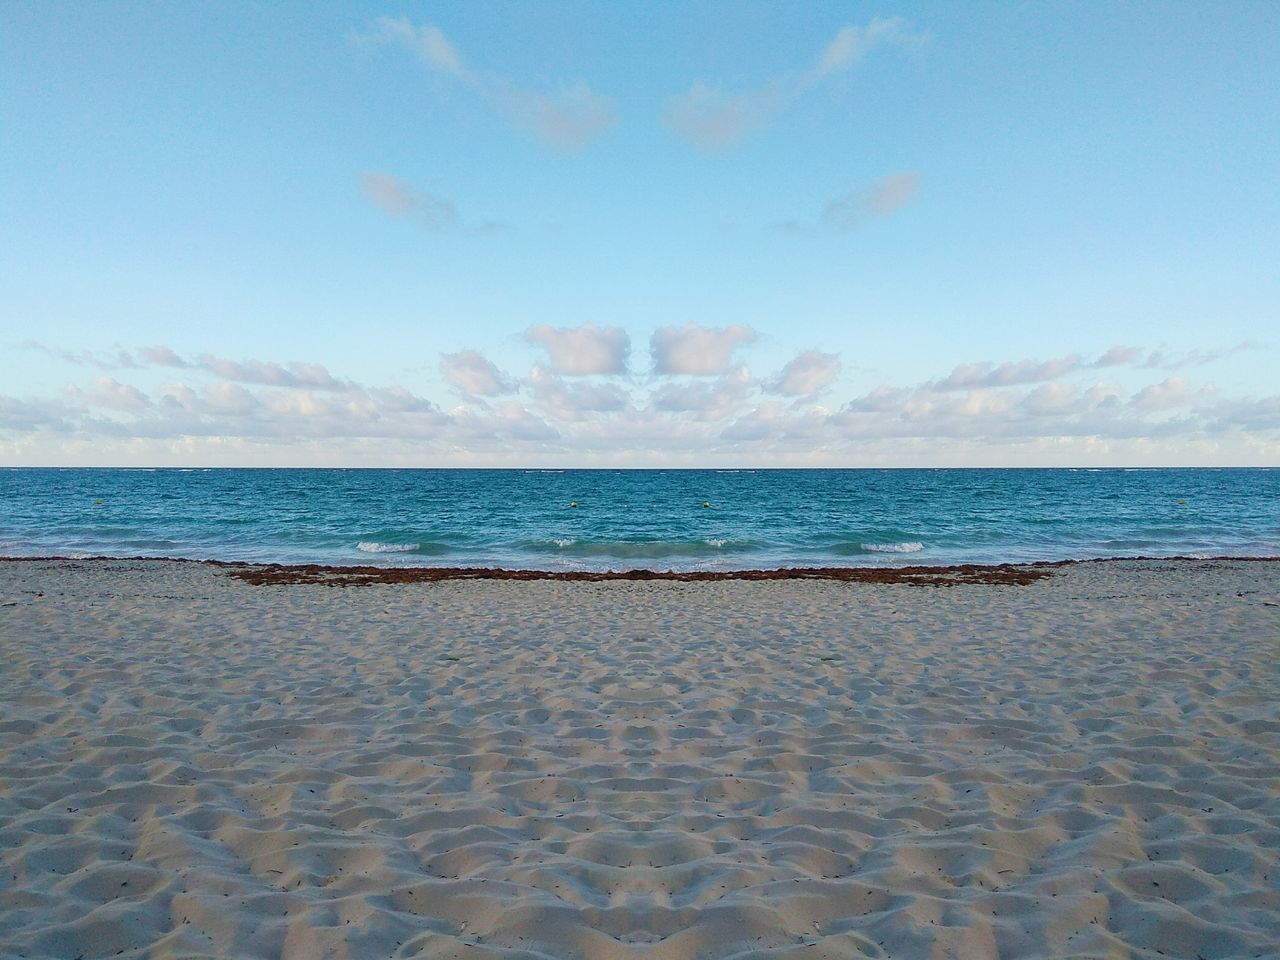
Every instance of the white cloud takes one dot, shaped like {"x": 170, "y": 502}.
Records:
{"x": 713, "y": 119}
{"x": 969, "y": 376}
{"x": 1051, "y": 398}
{"x": 806, "y": 374}
{"x": 707, "y": 401}
{"x": 1169, "y": 393}
{"x": 396, "y": 198}
{"x": 118, "y": 360}
{"x": 767, "y": 421}
{"x": 1161, "y": 360}
{"x": 888, "y": 194}
{"x": 696, "y": 351}
{"x": 572, "y": 401}
{"x": 28, "y": 416}
{"x": 428, "y": 42}
{"x": 565, "y": 119}
{"x": 508, "y": 421}
{"x": 1012, "y": 412}
{"x": 162, "y": 356}
{"x": 850, "y": 211}
{"x": 110, "y": 392}
{"x": 178, "y": 396}
{"x": 294, "y": 374}
{"x": 475, "y": 375}
{"x": 312, "y": 376}
{"x": 583, "y": 351}
{"x": 986, "y": 374}
{"x": 229, "y": 398}
{"x": 1249, "y": 413}
{"x": 1118, "y": 356}
{"x": 852, "y": 43}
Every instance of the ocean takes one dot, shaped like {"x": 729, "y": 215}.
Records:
{"x": 627, "y": 519}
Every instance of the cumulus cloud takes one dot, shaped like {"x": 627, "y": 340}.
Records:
{"x": 281, "y": 414}
{"x": 806, "y": 374}
{"x": 475, "y": 375}
{"x": 1167, "y": 394}
{"x": 162, "y": 356}
{"x": 507, "y": 422}
{"x": 229, "y": 398}
{"x": 967, "y": 376}
{"x": 21, "y": 416}
{"x": 583, "y": 351}
{"x": 564, "y": 119}
{"x": 1050, "y": 399}
{"x": 572, "y": 401}
{"x": 716, "y": 400}
{"x": 110, "y": 392}
{"x": 712, "y": 118}
{"x": 700, "y": 407}
{"x": 1118, "y": 356}
{"x": 312, "y": 376}
{"x": 767, "y": 421}
{"x": 696, "y": 351}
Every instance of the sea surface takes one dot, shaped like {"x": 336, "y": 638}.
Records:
{"x": 625, "y": 519}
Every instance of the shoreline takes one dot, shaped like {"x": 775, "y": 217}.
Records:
{"x": 278, "y": 574}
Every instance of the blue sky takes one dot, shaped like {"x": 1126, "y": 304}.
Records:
{"x": 639, "y": 234}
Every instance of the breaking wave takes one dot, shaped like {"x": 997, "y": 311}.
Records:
{"x": 372, "y": 546}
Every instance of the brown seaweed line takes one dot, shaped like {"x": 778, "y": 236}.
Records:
{"x": 278, "y": 574}
{"x": 274, "y": 574}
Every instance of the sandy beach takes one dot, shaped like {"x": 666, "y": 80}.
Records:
{"x": 1084, "y": 765}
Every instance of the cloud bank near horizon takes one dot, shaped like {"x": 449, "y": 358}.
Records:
{"x": 584, "y": 400}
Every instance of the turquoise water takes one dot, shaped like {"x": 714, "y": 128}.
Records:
{"x": 628, "y": 519}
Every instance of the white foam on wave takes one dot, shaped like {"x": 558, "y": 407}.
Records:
{"x": 715, "y": 542}
{"x": 563, "y": 542}
{"x": 372, "y": 546}
{"x": 909, "y": 546}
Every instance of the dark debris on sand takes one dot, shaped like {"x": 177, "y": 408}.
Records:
{"x": 282, "y": 574}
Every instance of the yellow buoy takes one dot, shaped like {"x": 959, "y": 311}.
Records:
{"x": 705, "y": 503}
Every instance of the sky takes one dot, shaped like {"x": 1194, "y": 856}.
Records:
{"x": 629, "y": 234}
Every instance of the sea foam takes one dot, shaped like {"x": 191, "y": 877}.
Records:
{"x": 372, "y": 546}
{"x": 909, "y": 546}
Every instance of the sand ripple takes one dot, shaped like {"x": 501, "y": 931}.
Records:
{"x": 1083, "y": 767}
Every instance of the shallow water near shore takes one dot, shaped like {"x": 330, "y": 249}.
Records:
{"x": 659, "y": 519}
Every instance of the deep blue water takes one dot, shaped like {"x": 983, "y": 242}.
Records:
{"x": 624, "y": 519}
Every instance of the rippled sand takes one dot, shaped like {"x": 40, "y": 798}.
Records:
{"x": 1085, "y": 766}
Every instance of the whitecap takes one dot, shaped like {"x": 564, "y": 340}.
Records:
{"x": 372, "y": 546}
{"x": 910, "y": 546}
